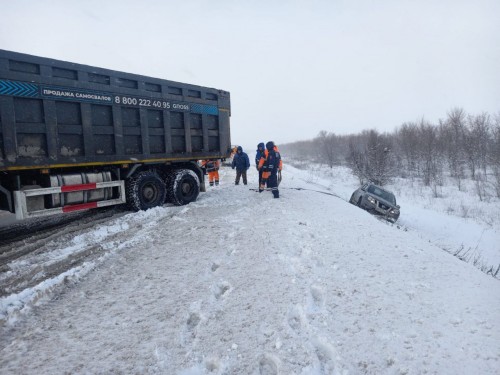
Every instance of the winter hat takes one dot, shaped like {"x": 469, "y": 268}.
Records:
{"x": 240, "y": 148}
{"x": 270, "y": 145}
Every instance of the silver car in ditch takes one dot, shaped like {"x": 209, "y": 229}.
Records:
{"x": 376, "y": 200}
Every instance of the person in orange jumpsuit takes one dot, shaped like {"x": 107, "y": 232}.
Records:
{"x": 212, "y": 168}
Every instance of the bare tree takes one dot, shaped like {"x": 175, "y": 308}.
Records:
{"x": 429, "y": 153}
{"x": 494, "y": 155}
{"x": 370, "y": 157}
{"x": 406, "y": 141}
{"x": 356, "y": 160}
{"x": 417, "y": 149}
{"x": 470, "y": 150}
{"x": 452, "y": 133}
{"x": 478, "y": 141}
{"x": 328, "y": 145}
{"x": 380, "y": 163}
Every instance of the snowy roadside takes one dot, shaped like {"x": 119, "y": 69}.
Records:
{"x": 66, "y": 258}
{"x": 475, "y": 237}
{"x": 240, "y": 283}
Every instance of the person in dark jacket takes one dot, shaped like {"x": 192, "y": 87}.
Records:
{"x": 241, "y": 163}
{"x": 270, "y": 163}
{"x": 258, "y": 156}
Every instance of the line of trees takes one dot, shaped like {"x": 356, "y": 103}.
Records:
{"x": 461, "y": 146}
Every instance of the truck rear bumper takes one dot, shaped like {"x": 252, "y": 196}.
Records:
{"x": 26, "y": 210}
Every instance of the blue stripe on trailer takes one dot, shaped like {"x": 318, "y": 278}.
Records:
{"x": 14, "y": 88}
{"x": 205, "y": 109}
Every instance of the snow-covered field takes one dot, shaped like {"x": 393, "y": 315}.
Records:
{"x": 457, "y": 221}
{"x": 241, "y": 283}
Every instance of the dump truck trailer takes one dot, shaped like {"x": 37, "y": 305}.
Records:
{"x": 76, "y": 137}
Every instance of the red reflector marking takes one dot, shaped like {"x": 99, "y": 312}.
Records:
{"x": 78, "y": 207}
{"x": 68, "y": 188}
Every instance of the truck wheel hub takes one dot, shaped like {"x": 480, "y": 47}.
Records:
{"x": 149, "y": 192}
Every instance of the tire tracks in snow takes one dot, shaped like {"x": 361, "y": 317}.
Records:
{"x": 31, "y": 271}
{"x": 38, "y": 229}
{"x": 22, "y": 241}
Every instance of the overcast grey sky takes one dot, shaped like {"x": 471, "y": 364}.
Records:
{"x": 293, "y": 67}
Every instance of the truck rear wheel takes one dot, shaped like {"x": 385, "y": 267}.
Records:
{"x": 183, "y": 187}
{"x": 145, "y": 190}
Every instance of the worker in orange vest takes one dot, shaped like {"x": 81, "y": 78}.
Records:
{"x": 264, "y": 154}
{"x": 212, "y": 168}
{"x": 271, "y": 164}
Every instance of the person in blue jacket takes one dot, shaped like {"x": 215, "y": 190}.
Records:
{"x": 241, "y": 163}
{"x": 258, "y": 155}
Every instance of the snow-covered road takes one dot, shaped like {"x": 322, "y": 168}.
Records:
{"x": 241, "y": 283}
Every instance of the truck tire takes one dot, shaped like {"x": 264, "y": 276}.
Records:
{"x": 183, "y": 187}
{"x": 145, "y": 190}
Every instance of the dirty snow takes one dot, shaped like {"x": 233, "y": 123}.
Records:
{"x": 241, "y": 283}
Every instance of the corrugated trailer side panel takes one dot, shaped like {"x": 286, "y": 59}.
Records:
{"x": 56, "y": 114}
{"x": 2, "y": 153}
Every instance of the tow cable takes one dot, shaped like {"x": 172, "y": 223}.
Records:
{"x": 297, "y": 188}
